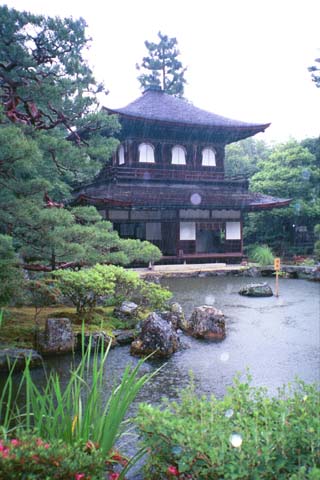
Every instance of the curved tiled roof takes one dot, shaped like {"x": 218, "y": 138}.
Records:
{"x": 177, "y": 196}
{"x": 155, "y": 105}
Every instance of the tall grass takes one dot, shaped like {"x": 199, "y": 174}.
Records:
{"x": 76, "y": 413}
{"x": 261, "y": 254}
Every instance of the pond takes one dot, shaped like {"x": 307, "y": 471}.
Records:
{"x": 277, "y": 338}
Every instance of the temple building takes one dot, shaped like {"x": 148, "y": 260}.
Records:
{"x": 166, "y": 182}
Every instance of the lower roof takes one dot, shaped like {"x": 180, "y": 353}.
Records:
{"x": 164, "y": 196}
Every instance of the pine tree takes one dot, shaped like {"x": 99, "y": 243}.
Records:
{"x": 162, "y": 67}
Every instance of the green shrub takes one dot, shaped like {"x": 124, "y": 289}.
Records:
{"x": 29, "y": 457}
{"x": 11, "y": 278}
{"x": 247, "y": 435}
{"x": 261, "y": 254}
{"x": 111, "y": 284}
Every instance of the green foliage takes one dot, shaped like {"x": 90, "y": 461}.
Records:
{"x": 76, "y": 412}
{"x": 162, "y": 67}
{"x": 317, "y": 243}
{"x": 45, "y": 80}
{"x": 151, "y": 295}
{"x": 11, "y": 279}
{"x": 245, "y": 435}
{"x": 42, "y": 460}
{"x": 42, "y": 293}
{"x": 261, "y": 254}
{"x": 291, "y": 171}
{"x": 242, "y": 157}
{"x": 114, "y": 284}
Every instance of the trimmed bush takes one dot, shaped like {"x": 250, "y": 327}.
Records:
{"x": 247, "y": 435}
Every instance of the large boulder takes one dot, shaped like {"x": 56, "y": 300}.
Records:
{"x": 157, "y": 335}
{"x": 256, "y": 290}
{"x": 18, "y": 357}
{"x": 206, "y": 322}
{"x": 58, "y": 337}
{"x": 175, "y": 315}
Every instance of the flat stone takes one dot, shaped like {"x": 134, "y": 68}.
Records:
{"x": 18, "y": 357}
{"x": 256, "y": 290}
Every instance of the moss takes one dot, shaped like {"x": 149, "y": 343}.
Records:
{"x": 18, "y": 326}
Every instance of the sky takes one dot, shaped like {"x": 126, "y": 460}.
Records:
{"x": 246, "y": 59}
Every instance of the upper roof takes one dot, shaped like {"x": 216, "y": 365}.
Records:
{"x": 155, "y": 105}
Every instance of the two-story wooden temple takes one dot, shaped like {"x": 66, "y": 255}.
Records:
{"x": 166, "y": 182}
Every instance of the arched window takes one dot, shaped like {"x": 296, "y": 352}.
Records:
{"x": 121, "y": 155}
{"x": 178, "y": 155}
{"x": 146, "y": 153}
{"x": 208, "y": 157}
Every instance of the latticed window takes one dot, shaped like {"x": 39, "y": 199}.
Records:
{"x": 178, "y": 155}
{"x": 146, "y": 153}
{"x": 208, "y": 157}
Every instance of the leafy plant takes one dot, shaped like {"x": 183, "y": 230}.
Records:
{"x": 245, "y": 435}
{"x": 261, "y": 254}
{"x": 48, "y": 460}
{"x": 110, "y": 284}
{"x": 76, "y": 413}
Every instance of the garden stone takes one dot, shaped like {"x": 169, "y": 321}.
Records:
{"x": 256, "y": 290}
{"x": 206, "y": 322}
{"x": 157, "y": 335}
{"x": 174, "y": 315}
{"x": 8, "y": 356}
{"x": 96, "y": 339}
{"x": 57, "y": 337}
{"x": 127, "y": 312}
{"x": 124, "y": 337}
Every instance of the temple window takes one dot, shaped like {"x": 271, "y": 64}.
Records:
{"x": 208, "y": 157}
{"x": 178, "y": 155}
{"x": 187, "y": 231}
{"x": 121, "y": 155}
{"x": 146, "y": 153}
{"x": 233, "y": 231}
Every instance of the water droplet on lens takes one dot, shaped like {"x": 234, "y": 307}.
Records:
{"x": 235, "y": 440}
{"x": 306, "y": 174}
{"x": 224, "y": 357}
{"x": 195, "y": 199}
{"x": 229, "y": 413}
{"x": 210, "y": 300}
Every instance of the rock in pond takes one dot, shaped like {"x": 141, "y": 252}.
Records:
{"x": 124, "y": 337}
{"x": 96, "y": 339}
{"x": 57, "y": 337}
{"x": 175, "y": 315}
{"x": 206, "y": 322}
{"x": 18, "y": 356}
{"x": 156, "y": 335}
{"x": 256, "y": 290}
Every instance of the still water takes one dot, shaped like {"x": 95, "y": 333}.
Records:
{"x": 276, "y": 338}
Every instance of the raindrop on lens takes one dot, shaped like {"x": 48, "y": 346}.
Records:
{"x": 229, "y": 413}
{"x": 195, "y": 199}
{"x": 305, "y": 174}
{"x": 235, "y": 440}
{"x": 224, "y": 357}
{"x": 210, "y": 300}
